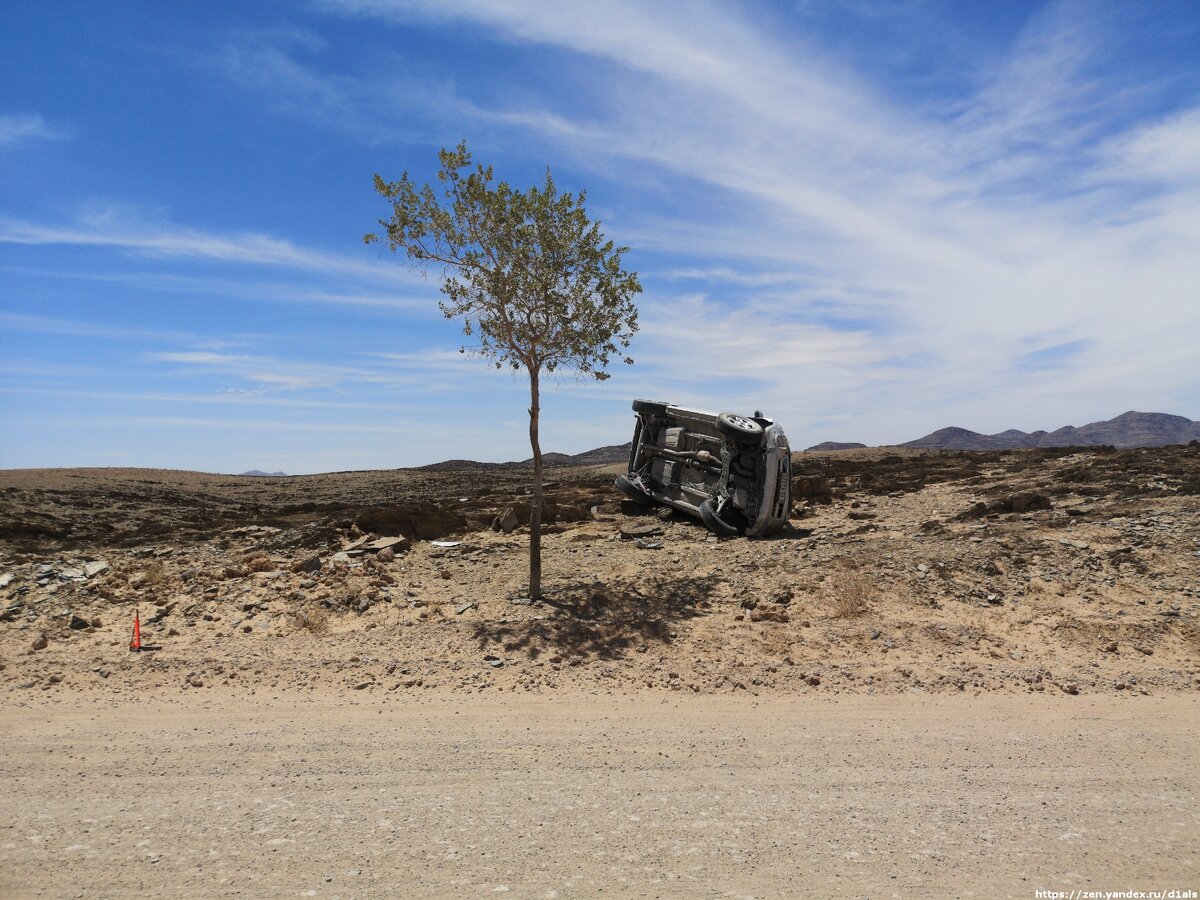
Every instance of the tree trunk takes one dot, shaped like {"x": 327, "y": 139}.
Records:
{"x": 535, "y": 511}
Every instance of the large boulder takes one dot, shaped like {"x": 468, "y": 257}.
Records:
{"x": 812, "y": 487}
{"x": 416, "y": 521}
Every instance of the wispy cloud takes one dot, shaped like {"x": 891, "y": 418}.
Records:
{"x": 1015, "y": 248}
{"x": 200, "y": 358}
{"x": 85, "y": 329}
{"x": 971, "y": 230}
{"x": 415, "y": 296}
{"x": 113, "y": 229}
{"x": 22, "y": 128}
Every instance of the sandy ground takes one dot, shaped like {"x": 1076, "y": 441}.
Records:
{"x": 953, "y": 675}
{"x": 897, "y": 796}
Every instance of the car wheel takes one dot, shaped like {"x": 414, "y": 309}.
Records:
{"x": 634, "y": 446}
{"x": 651, "y": 407}
{"x": 632, "y": 491}
{"x": 740, "y": 428}
{"x": 714, "y": 523}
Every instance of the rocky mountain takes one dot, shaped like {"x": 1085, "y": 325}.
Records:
{"x": 601, "y": 456}
{"x": 1130, "y": 429}
{"x": 826, "y": 446}
{"x": 260, "y": 474}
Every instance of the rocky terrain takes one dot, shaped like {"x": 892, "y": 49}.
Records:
{"x": 1068, "y": 571}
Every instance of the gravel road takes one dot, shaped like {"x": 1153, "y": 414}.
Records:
{"x": 909, "y": 796}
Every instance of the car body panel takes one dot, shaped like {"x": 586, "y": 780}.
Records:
{"x": 681, "y": 457}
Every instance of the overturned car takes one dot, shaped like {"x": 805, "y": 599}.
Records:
{"x": 732, "y": 471}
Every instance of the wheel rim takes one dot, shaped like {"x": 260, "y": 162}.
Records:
{"x": 743, "y": 424}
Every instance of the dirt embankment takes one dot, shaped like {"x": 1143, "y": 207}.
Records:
{"x": 1071, "y": 572}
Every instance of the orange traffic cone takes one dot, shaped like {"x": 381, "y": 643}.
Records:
{"x": 136, "y": 643}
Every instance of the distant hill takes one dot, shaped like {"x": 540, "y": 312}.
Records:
{"x": 1131, "y": 429}
{"x": 256, "y": 473}
{"x": 601, "y": 456}
{"x": 833, "y": 445}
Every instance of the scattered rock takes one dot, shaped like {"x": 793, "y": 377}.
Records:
{"x": 507, "y": 521}
{"x": 1027, "y": 502}
{"x": 812, "y": 487}
{"x": 462, "y": 609}
{"x": 768, "y": 615}
{"x": 78, "y": 623}
{"x": 631, "y": 530}
{"x": 421, "y": 520}
{"x": 41, "y": 641}
{"x": 309, "y": 564}
{"x": 388, "y": 543}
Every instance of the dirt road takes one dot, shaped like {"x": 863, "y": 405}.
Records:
{"x": 910, "y": 795}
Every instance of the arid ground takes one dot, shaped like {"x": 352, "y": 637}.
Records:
{"x": 956, "y": 674}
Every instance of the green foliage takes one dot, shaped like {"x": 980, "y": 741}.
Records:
{"x": 533, "y": 280}
{"x": 531, "y": 277}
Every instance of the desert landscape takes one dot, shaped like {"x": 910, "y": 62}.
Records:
{"x": 360, "y": 642}
{"x": 1072, "y": 571}
{"x": 880, "y": 578}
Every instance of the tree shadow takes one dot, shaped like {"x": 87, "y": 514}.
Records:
{"x": 604, "y": 621}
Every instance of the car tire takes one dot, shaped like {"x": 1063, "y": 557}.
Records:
{"x": 634, "y": 446}
{"x": 651, "y": 407}
{"x": 742, "y": 429}
{"x": 632, "y": 491}
{"x": 714, "y": 523}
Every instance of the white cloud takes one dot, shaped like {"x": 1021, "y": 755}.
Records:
{"x": 959, "y": 236}
{"x": 861, "y": 266}
{"x": 20, "y": 128}
{"x": 113, "y": 229}
{"x": 76, "y": 328}
{"x": 199, "y": 358}
{"x": 1165, "y": 152}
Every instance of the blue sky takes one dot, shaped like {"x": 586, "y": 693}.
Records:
{"x": 868, "y": 219}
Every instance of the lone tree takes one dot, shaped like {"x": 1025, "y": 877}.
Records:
{"x": 531, "y": 277}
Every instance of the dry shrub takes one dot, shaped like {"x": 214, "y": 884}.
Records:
{"x": 259, "y": 562}
{"x": 851, "y": 593}
{"x": 311, "y": 617}
{"x": 147, "y": 577}
{"x": 251, "y": 562}
{"x": 156, "y": 574}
